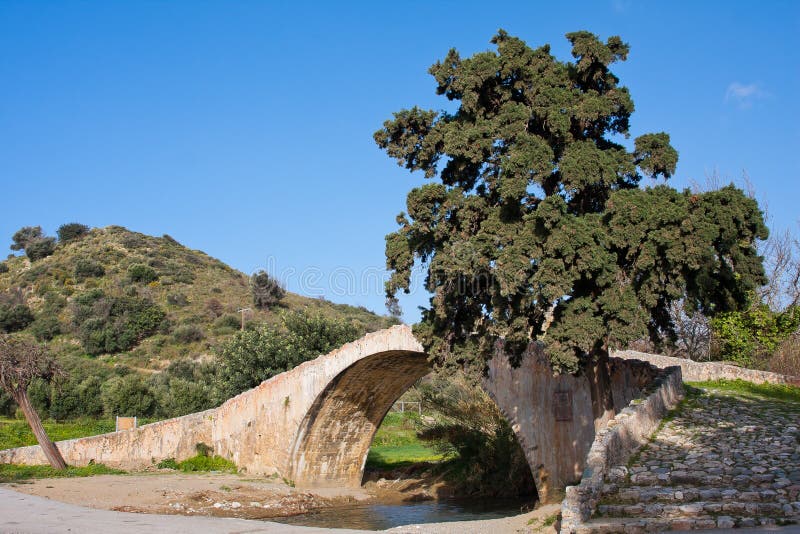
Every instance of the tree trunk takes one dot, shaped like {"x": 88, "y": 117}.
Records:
{"x": 600, "y": 387}
{"x": 48, "y": 447}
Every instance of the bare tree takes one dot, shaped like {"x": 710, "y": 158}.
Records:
{"x": 20, "y": 362}
{"x": 782, "y": 262}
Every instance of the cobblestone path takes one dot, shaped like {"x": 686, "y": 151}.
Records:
{"x": 725, "y": 459}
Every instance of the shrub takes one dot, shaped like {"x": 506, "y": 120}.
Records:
{"x": 266, "y": 290}
{"x": 467, "y": 424}
{"x": 786, "y": 359}
{"x": 127, "y": 396}
{"x": 214, "y": 307}
{"x": 252, "y": 356}
{"x": 188, "y": 333}
{"x": 40, "y": 248}
{"x": 114, "y": 324}
{"x": 14, "y": 318}
{"x": 3, "y": 267}
{"x": 228, "y": 321}
{"x": 168, "y": 463}
{"x": 142, "y": 273}
{"x": 71, "y": 232}
{"x": 85, "y": 268}
{"x": 749, "y": 337}
{"x": 45, "y": 328}
{"x": 177, "y": 299}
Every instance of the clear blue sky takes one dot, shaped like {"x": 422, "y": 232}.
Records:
{"x": 244, "y": 129}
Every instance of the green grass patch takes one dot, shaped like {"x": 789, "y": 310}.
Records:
{"x": 743, "y": 388}
{"x": 396, "y": 443}
{"x": 17, "y": 433}
{"x": 199, "y": 463}
{"x": 17, "y": 473}
{"x": 392, "y": 457}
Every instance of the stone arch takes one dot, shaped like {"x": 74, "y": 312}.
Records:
{"x": 334, "y": 438}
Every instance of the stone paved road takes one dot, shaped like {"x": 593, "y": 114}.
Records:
{"x": 725, "y": 460}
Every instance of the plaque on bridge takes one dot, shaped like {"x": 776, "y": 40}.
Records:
{"x": 562, "y": 405}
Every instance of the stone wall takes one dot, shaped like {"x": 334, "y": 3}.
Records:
{"x": 702, "y": 371}
{"x": 551, "y": 415}
{"x": 132, "y": 449}
{"x": 628, "y": 430}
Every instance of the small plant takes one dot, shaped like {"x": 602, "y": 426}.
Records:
{"x": 188, "y": 333}
{"x": 203, "y": 450}
{"x": 168, "y": 463}
{"x": 142, "y": 273}
{"x": 177, "y": 299}
{"x": 86, "y": 268}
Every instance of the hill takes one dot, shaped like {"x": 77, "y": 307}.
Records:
{"x": 114, "y": 301}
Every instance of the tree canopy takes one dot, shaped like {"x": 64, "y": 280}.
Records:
{"x": 535, "y": 224}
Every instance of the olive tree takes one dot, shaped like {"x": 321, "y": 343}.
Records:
{"x": 20, "y": 362}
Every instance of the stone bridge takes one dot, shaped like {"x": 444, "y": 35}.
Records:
{"x": 315, "y": 423}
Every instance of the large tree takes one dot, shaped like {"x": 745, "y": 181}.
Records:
{"x": 535, "y": 225}
{"x": 20, "y": 362}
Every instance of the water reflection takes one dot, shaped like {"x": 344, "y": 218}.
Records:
{"x": 376, "y": 516}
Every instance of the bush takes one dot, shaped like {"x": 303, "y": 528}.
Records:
{"x": 45, "y": 328}
{"x": 228, "y": 321}
{"x": 252, "y": 356}
{"x": 114, "y": 324}
{"x": 142, "y": 273}
{"x": 467, "y": 424}
{"x": 266, "y": 290}
{"x": 127, "y": 395}
{"x": 85, "y": 268}
{"x": 188, "y": 333}
{"x": 40, "y": 248}
{"x": 3, "y": 267}
{"x": 749, "y": 337}
{"x": 71, "y": 232}
{"x": 14, "y": 318}
{"x": 214, "y": 307}
{"x": 177, "y": 299}
{"x": 786, "y": 359}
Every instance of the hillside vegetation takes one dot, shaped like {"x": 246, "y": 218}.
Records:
{"x": 139, "y": 321}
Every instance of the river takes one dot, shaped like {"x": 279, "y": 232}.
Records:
{"x": 378, "y": 516}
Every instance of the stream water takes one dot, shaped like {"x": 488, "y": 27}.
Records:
{"x": 377, "y": 516}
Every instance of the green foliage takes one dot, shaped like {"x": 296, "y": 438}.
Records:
{"x": 468, "y": 426}
{"x": 536, "y": 226}
{"x": 252, "y": 356}
{"x": 267, "y": 292}
{"x": 204, "y": 463}
{"x": 18, "y": 473}
{"x": 14, "y": 318}
{"x": 71, "y": 232}
{"x": 128, "y": 396}
{"x": 142, "y": 273}
{"x": 3, "y": 267}
{"x": 747, "y": 337}
{"x": 85, "y": 268}
{"x": 40, "y": 248}
{"x": 188, "y": 333}
{"x": 45, "y": 328}
{"x": 25, "y": 236}
{"x": 168, "y": 463}
{"x": 112, "y": 324}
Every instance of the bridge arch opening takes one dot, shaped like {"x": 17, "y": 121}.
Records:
{"x": 335, "y": 436}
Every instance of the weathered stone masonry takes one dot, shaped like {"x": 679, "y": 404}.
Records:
{"x": 314, "y": 424}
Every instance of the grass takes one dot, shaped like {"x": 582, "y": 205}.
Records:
{"x": 396, "y": 444}
{"x": 742, "y": 388}
{"x": 18, "y": 473}
{"x": 17, "y": 433}
{"x": 200, "y": 463}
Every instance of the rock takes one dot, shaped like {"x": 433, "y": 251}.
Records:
{"x": 725, "y": 521}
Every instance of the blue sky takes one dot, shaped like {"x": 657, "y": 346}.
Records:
{"x": 244, "y": 129}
